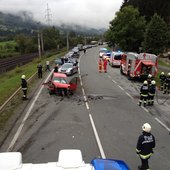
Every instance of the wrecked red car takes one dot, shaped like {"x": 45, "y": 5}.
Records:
{"x": 59, "y": 84}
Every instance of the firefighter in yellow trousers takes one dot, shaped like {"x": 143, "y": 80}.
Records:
{"x": 100, "y": 66}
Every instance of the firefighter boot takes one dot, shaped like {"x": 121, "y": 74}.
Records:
{"x": 139, "y": 103}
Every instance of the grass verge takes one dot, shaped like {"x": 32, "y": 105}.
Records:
{"x": 11, "y": 81}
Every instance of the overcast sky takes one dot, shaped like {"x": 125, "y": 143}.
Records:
{"x": 92, "y": 13}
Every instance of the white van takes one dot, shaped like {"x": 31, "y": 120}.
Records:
{"x": 115, "y": 59}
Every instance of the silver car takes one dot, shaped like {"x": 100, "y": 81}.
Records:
{"x": 68, "y": 69}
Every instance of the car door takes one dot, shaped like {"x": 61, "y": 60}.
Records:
{"x": 73, "y": 84}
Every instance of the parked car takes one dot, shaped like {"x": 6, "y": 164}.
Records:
{"x": 68, "y": 69}
{"x": 102, "y": 52}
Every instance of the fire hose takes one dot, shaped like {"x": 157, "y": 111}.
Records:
{"x": 156, "y": 93}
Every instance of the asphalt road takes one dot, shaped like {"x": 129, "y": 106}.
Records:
{"x": 102, "y": 120}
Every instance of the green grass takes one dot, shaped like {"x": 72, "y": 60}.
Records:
{"x": 11, "y": 80}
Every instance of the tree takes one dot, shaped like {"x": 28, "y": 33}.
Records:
{"x": 127, "y": 29}
{"x": 25, "y": 44}
{"x": 156, "y": 39}
{"x": 51, "y": 38}
{"x": 147, "y": 8}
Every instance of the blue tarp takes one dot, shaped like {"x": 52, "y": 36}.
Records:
{"x": 109, "y": 164}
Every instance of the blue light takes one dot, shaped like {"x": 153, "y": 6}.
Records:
{"x": 109, "y": 164}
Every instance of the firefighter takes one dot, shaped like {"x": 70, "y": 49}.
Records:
{"x": 145, "y": 145}
{"x": 47, "y": 66}
{"x": 149, "y": 79}
{"x": 105, "y": 65}
{"x": 40, "y": 68}
{"x": 144, "y": 93}
{"x": 167, "y": 84}
{"x": 24, "y": 87}
{"x": 162, "y": 78}
{"x": 56, "y": 68}
{"x": 100, "y": 66}
{"x": 151, "y": 93}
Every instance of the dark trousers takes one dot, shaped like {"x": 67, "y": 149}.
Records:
{"x": 47, "y": 68}
{"x": 143, "y": 99}
{"x": 39, "y": 74}
{"x": 24, "y": 94}
{"x": 144, "y": 164}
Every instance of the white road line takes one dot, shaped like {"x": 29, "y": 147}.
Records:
{"x": 87, "y": 106}
{"x": 83, "y": 92}
{"x": 129, "y": 95}
{"x": 109, "y": 76}
{"x": 81, "y": 83}
{"x": 145, "y": 109}
{"x": 162, "y": 124}
{"x": 120, "y": 87}
{"x": 114, "y": 81}
{"x": 97, "y": 137}
{"x": 25, "y": 118}
{"x": 85, "y": 98}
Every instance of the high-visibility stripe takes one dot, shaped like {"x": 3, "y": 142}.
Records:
{"x": 145, "y": 156}
{"x": 138, "y": 150}
{"x": 144, "y": 95}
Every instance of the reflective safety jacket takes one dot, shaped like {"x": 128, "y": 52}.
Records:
{"x": 24, "y": 84}
{"x": 162, "y": 78}
{"x": 152, "y": 89}
{"x": 145, "y": 145}
{"x": 144, "y": 90}
{"x": 167, "y": 81}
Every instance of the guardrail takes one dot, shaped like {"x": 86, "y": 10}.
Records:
{"x": 16, "y": 92}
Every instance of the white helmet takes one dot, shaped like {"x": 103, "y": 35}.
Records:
{"x": 153, "y": 82}
{"x": 149, "y": 75}
{"x": 168, "y": 74}
{"x": 146, "y": 127}
{"x": 23, "y": 76}
{"x": 162, "y": 73}
{"x": 145, "y": 82}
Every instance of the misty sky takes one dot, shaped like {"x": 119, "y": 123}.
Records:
{"x": 91, "y": 13}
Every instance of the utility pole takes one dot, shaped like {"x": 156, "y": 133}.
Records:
{"x": 39, "y": 42}
{"x": 48, "y": 16}
{"x": 67, "y": 41}
{"x": 42, "y": 42}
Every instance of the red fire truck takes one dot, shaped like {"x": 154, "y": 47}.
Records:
{"x": 139, "y": 65}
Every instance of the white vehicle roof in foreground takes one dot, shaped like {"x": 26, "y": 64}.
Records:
{"x": 68, "y": 160}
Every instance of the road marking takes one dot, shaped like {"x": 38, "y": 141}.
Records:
{"x": 162, "y": 124}
{"x": 120, "y": 87}
{"x": 87, "y": 106}
{"x": 114, "y": 81}
{"x": 145, "y": 109}
{"x": 93, "y": 126}
{"x": 26, "y": 117}
{"x": 109, "y": 76}
{"x": 85, "y": 98}
{"x": 129, "y": 95}
{"x": 97, "y": 137}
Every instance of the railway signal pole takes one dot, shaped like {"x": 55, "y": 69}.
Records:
{"x": 39, "y": 41}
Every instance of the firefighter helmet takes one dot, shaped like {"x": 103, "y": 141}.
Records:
{"x": 23, "y": 76}
{"x": 162, "y": 73}
{"x": 153, "y": 82}
{"x": 168, "y": 74}
{"x": 149, "y": 75}
{"x": 146, "y": 127}
{"x": 145, "y": 82}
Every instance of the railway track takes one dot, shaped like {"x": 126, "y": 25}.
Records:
{"x": 11, "y": 63}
